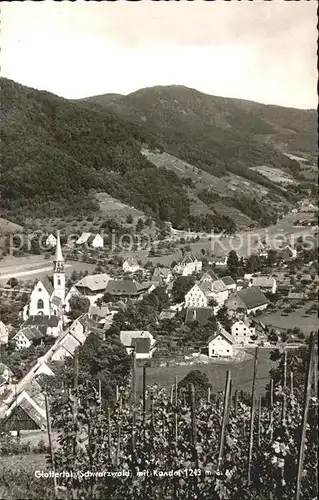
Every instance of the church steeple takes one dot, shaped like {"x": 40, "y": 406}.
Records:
{"x": 59, "y": 270}
{"x": 58, "y": 263}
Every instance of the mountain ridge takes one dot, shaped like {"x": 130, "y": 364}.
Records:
{"x": 56, "y": 153}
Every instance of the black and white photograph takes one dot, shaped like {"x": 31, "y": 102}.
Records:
{"x": 159, "y": 250}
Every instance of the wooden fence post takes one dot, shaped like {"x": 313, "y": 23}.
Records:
{"x": 47, "y": 411}
{"x": 224, "y": 420}
{"x": 252, "y": 419}
{"x": 307, "y": 394}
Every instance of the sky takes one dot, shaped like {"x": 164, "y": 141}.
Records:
{"x": 260, "y": 50}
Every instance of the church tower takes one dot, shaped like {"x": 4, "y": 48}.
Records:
{"x": 59, "y": 270}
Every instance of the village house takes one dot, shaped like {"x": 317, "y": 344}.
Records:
{"x": 27, "y": 411}
{"x": 265, "y": 283}
{"x": 93, "y": 284}
{"x": 229, "y": 283}
{"x": 99, "y": 314}
{"x": 50, "y": 241}
{"x": 4, "y": 334}
{"x": 92, "y": 240}
{"x": 202, "y": 294}
{"x": 188, "y": 265}
{"x": 130, "y": 265}
{"x": 209, "y": 276}
{"x": 142, "y": 342}
{"x": 199, "y": 314}
{"x": 297, "y": 296}
{"x": 127, "y": 289}
{"x": 161, "y": 275}
{"x": 248, "y": 300}
{"x": 73, "y": 338}
{"x": 6, "y": 375}
{"x": 28, "y": 336}
{"x": 48, "y": 325}
{"x": 167, "y": 314}
{"x": 242, "y": 330}
{"x": 220, "y": 262}
{"x": 221, "y": 343}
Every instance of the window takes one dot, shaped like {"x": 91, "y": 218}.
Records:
{"x": 59, "y": 281}
{"x": 40, "y": 304}
{"x": 39, "y": 289}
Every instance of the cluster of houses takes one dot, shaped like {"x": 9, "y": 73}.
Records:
{"x": 46, "y": 315}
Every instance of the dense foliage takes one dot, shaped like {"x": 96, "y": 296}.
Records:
{"x": 180, "y": 448}
{"x": 55, "y": 154}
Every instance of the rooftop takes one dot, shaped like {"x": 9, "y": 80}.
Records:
{"x": 94, "y": 282}
{"x": 252, "y": 297}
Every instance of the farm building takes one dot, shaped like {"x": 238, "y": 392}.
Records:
{"x": 248, "y": 300}
{"x": 142, "y": 342}
{"x": 92, "y": 284}
{"x": 221, "y": 344}
{"x": 130, "y": 265}
{"x": 92, "y": 240}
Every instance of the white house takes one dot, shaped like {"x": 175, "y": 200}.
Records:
{"x": 131, "y": 265}
{"x": 220, "y": 262}
{"x": 26, "y": 337}
{"x": 162, "y": 275}
{"x": 197, "y": 296}
{"x": 4, "y": 334}
{"x": 89, "y": 239}
{"x": 97, "y": 241}
{"x": 221, "y": 343}
{"x": 142, "y": 342}
{"x": 242, "y": 331}
{"x": 188, "y": 265}
{"x": 265, "y": 283}
{"x": 229, "y": 283}
{"x": 6, "y": 374}
{"x": 50, "y": 241}
{"x": 201, "y": 294}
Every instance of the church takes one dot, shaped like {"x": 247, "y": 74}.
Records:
{"x": 48, "y": 297}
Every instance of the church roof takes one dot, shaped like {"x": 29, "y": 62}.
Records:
{"x": 47, "y": 283}
{"x": 58, "y": 250}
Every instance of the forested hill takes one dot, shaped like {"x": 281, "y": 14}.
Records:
{"x": 217, "y": 133}
{"x": 55, "y": 153}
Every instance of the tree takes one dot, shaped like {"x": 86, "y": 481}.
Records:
{"x": 13, "y": 282}
{"x": 200, "y": 382}
{"x": 139, "y": 225}
{"x": 180, "y": 287}
{"x": 233, "y": 263}
{"x": 78, "y": 305}
{"x": 223, "y": 318}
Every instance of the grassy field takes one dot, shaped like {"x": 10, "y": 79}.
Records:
{"x": 294, "y": 319}
{"x": 111, "y": 207}
{"x": 35, "y": 267}
{"x": 9, "y": 227}
{"x": 216, "y": 372}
